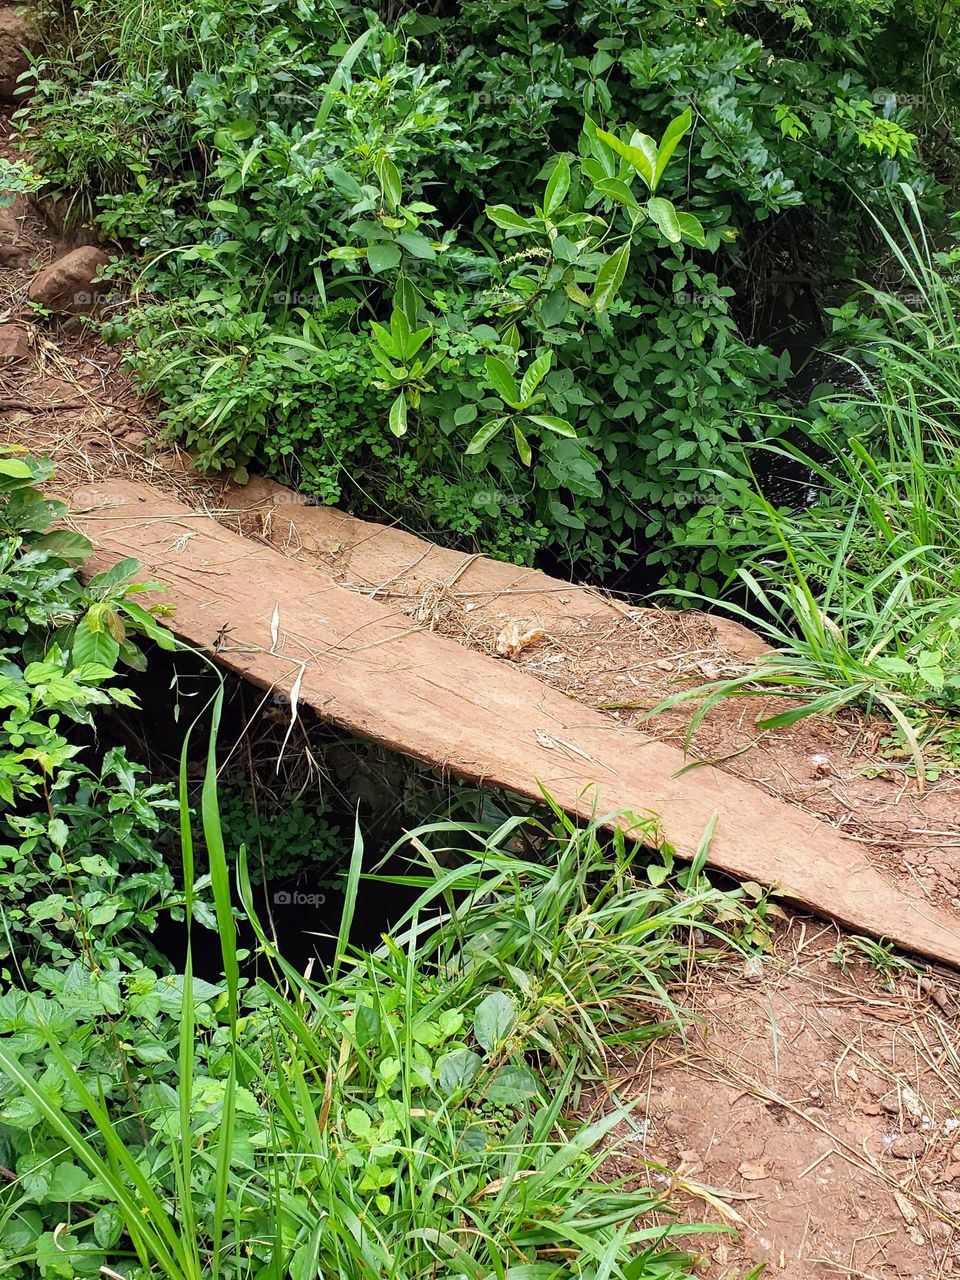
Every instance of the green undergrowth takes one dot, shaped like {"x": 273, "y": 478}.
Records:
{"x": 860, "y": 591}
{"x": 416, "y": 1110}
{"x": 412, "y": 1113}
{"x": 487, "y": 272}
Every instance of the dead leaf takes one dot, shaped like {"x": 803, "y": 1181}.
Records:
{"x": 515, "y": 637}
{"x": 754, "y": 1170}
{"x": 909, "y": 1213}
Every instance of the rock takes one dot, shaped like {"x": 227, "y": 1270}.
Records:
{"x": 135, "y": 439}
{"x": 13, "y": 250}
{"x": 753, "y": 969}
{"x": 908, "y": 1146}
{"x": 14, "y": 343}
{"x": 940, "y": 1233}
{"x": 69, "y": 284}
{"x": 951, "y": 1202}
{"x": 16, "y": 38}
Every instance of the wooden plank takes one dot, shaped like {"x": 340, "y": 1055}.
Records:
{"x": 388, "y": 562}
{"x": 364, "y": 666}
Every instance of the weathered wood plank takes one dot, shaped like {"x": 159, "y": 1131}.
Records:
{"x": 366, "y": 667}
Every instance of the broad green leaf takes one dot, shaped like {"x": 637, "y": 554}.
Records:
{"x": 385, "y": 340}
{"x": 509, "y": 220}
{"x": 58, "y": 832}
{"x": 107, "y": 1226}
{"x": 415, "y": 342}
{"x": 665, "y": 216}
{"x": 511, "y": 338}
{"x": 398, "y": 415}
{"x": 512, "y": 1085}
{"x": 535, "y": 375}
{"x": 610, "y": 277}
{"x": 15, "y": 468}
{"x": 406, "y": 299}
{"x": 523, "y": 445}
{"x": 95, "y": 864}
{"x": 417, "y": 244}
{"x": 616, "y": 189}
{"x": 576, "y": 294}
{"x": 400, "y": 329}
{"x": 549, "y": 422}
{"x": 92, "y": 643}
{"x": 692, "y": 229}
{"x": 503, "y": 381}
{"x": 367, "y": 1025}
{"x": 485, "y": 435}
{"x": 359, "y": 1123}
{"x": 668, "y": 144}
{"x": 117, "y": 574}
{"x": 640, "y": 153}
{"x": 66, "y": 544}
{"x": 383, "y": 257}
{"x": 149, "y": 625}
{"x": 343, "y": 182}
{"x": 494, "y": 1019}
{"x": 557, "y": 187}
{"x": 457, "y": 1071}
{"x": 389, "y": 177}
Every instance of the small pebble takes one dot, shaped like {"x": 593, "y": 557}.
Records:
{"x": 907, "y": 1147}
{"x": 753, "y": 969}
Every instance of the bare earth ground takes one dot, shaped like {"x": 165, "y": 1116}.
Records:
{"x": 811, "y": 1108}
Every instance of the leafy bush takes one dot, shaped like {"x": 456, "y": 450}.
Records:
{"x": 284, "y": 834}
{"x": 410, "y": 1113}
{"x": 860, "y": 591}
{"x": 80, "y": 870}
{"x": 292, "y": 173}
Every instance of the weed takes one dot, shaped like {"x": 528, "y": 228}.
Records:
{"x": 879, "y": 955}
{"x": 860, "y": 592}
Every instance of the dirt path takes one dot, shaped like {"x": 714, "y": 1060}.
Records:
{"x": 798, "y": 1072}
{"x": 625, "y": 660}
{"x": 812, "y": 1109}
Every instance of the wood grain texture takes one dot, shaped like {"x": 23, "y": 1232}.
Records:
{"x": 364, "y": 666}
{"x": 370, "y": 556}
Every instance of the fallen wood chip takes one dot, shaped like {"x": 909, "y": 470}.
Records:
{"x": 515, "y": 638}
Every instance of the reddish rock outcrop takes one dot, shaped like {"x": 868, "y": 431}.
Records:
{"x": 14, "y": 344}
{"x": 70, "y": 284}
{"x": 13, "y": 248}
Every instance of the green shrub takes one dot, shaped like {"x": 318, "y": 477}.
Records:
{"x": 81, "y": 870}
{"x": 860, "y": 591}
{"x": 284, "y": 834}
{"x": 292, "y": 173}
{"x": 410, "y": 1114}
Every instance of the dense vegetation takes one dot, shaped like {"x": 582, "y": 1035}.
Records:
{"x": 530, "y": 278}
{"x": 411, "y": 1113}
{"x": 431, "y": 264}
